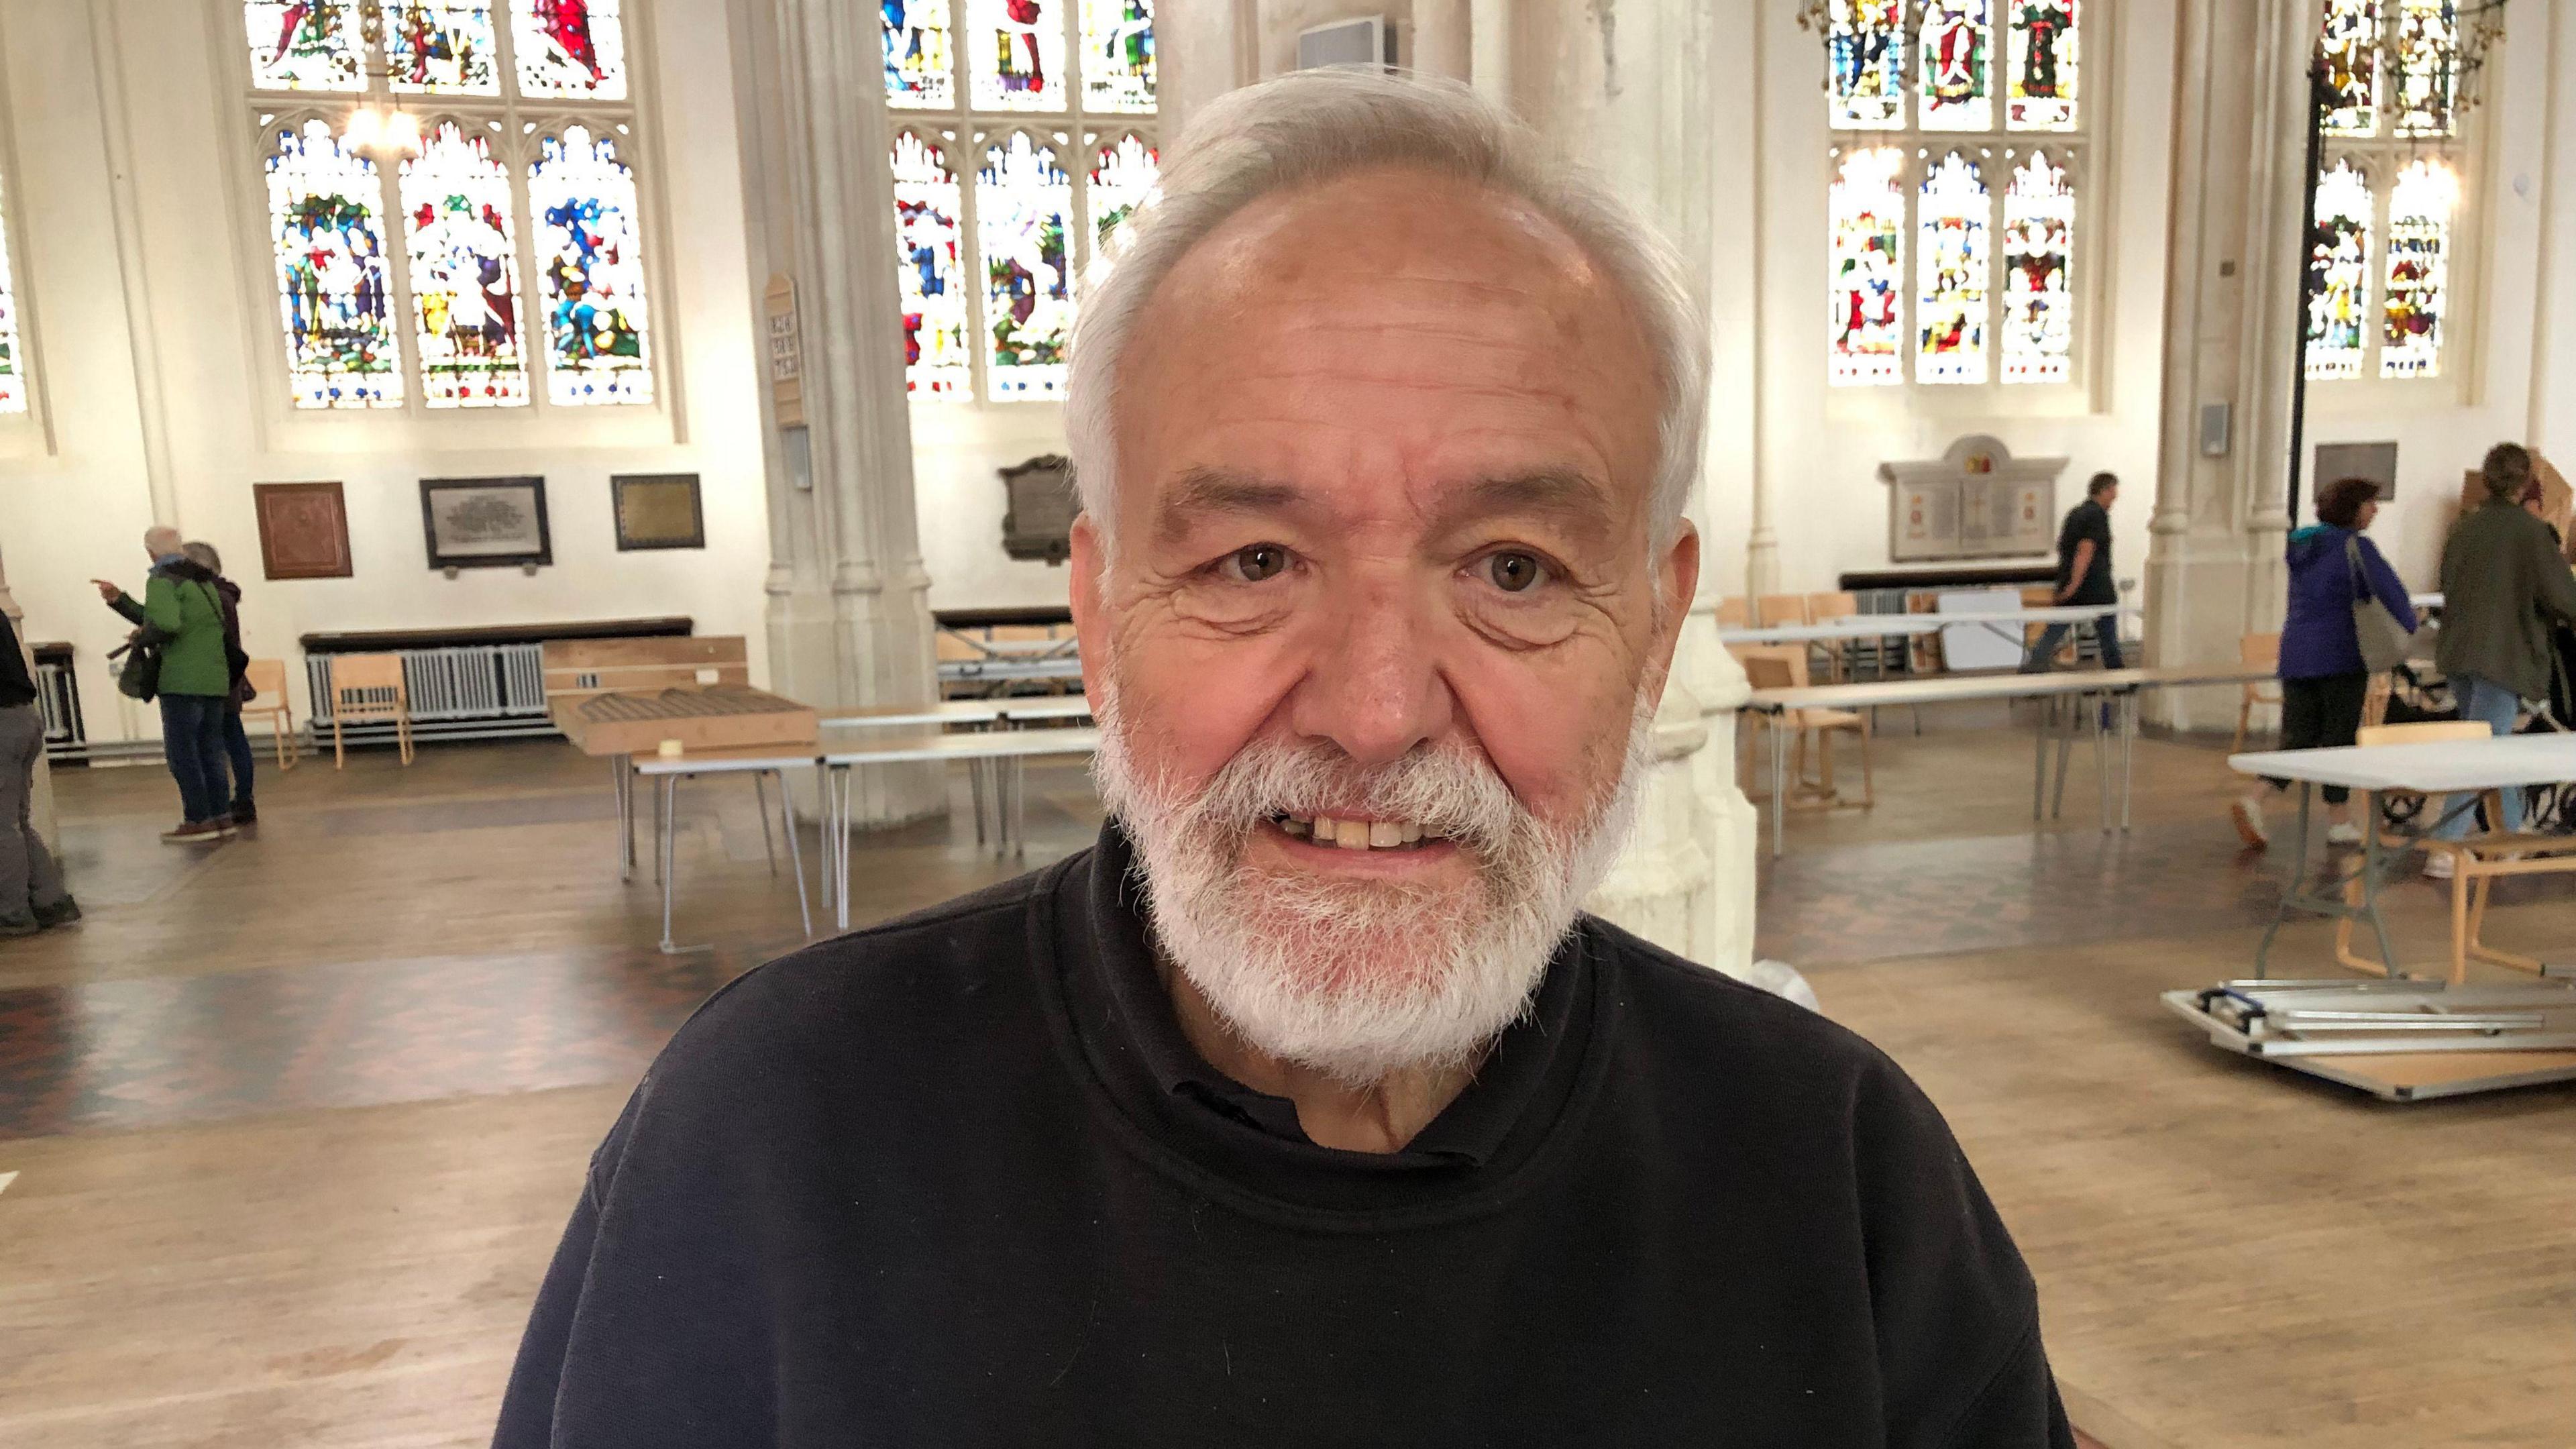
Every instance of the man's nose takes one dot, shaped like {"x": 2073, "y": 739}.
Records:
{"x": 1375, "y": 687}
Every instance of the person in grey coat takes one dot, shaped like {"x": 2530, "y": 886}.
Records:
{"x": 2503, "y": 584}
{"x": 31, "y": 884}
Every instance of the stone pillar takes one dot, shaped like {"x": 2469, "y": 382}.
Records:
{"x": 1489, "y": 49}
{"x": 1442, "y": 43}
{"x": 2214, "y": 557}
{"x": 42, "y": 799}
{"x": 846, "y": 555}
{"x": 1626, "y": 84}
{"x": 1201, "y": 51}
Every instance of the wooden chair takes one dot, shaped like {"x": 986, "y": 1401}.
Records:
{"x": 268, "y": 701}
{"x": 367, "y": 687}
{"x": 2263, "y": 651}
{"x": 1924, "y": 653}
{"x": 1733, "y": 612}
{"x": 2042, "y": 596}
{"x": 1786, "y": 668}
{"x": 2476, "y": 859}
{"x": 1774, "y": 610}
{"x": 1840, "y": 655}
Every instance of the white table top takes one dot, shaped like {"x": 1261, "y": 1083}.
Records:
{"x": 1938, "y": 688}
{"x": 1888, "y": 626}
{"x": 2421, "y": 602}
{"x": 966, "y": 711}
{"x": 998, "y": 745}
{"x": 2436, "y": 767}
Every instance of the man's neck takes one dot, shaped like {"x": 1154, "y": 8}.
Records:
{"x": 1380, "y": 1117}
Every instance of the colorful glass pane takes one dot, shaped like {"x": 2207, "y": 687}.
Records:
{"x": 1957, "y": 49}
{"x": 2348, "y": 46}
{"x": 920, "y": 72}
{"x": 570, "y": 48}
{"x": 2428, "y": 49}
{"x": 464, "y": 269}
{"x": 13, "y": 369}
{"x": 1118, "y": 55}
{"x": 442, "y": 46}
{"x": 2338, "y": 273}
{"x": 1865, "y": 47}
{"x": 303, "y": 45}
{"x": 2045, "y": 55}
{"x": 1868, "y": 260}
{"x": 2419, "y": 244}
{"x": 1122, "y": 176}
{"x": 1016, "y": 51}
{"x": 2039, "y": 255}
{"x": 590, "y": 252}
{"x": 331, "y": 275}
{"x": 1023, "y": 201}
{"x": 1951, "y": 258}
{"x": 927, "y": 236}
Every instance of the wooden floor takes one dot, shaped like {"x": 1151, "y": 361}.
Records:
{"x": 296, "y": 1121}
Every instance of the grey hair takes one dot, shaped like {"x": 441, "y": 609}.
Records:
{"x": 161, "y": 540}
{"x": 203, "y": 555}
{"x": 1309, "y": 127}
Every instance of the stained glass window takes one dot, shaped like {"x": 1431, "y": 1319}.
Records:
{"x": 2045, "y": 59}
{"x": 13, "y": 367}
{"x": 1023, "y": 204}
{"x": 331, "y": 274}
{"x": 464, "y": 270}
{"x": 1957, "y": 49}
{"x": 1122, "y": 176}
{"x": 1868, "y": 208}
{"x": 569, "y": 48}
{"x": 1016, "y": 54}
{"x": 928, "y": 216}
{"x": 1951, "y": 263}
{"x": 2338, "y": 273}
{"x": 303, "y": 45}
{"x": 920, "y": 73}
{"x": 2428, "y": 42}
{"x": 1118, "y": 55}
{"x": 1866, "y": 49}
{"x": 2039, "y": 252}
{"x": 590, "y": 257}
{"x": 443, "y": 46}
{"x": 2418, "y": 282}
{"x": 2348, "y": 47}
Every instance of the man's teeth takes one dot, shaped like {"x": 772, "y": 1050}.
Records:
{"x": 1354, "y": 834}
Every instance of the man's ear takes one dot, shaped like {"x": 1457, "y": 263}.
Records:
{"x": 1676, "y": 582}
{"x": 1086, "y": 558}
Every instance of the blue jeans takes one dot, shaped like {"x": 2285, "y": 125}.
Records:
{"x": 237, "y": 745}
{"x": 192, "y": 740}
{"x": 2105, "y": 629}
{"x": 2494, "y": 706}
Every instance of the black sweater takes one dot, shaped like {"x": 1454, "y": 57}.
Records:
{"x": 959, "y": 1180}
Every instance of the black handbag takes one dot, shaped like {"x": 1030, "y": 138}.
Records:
{"x": 140, "y": 676}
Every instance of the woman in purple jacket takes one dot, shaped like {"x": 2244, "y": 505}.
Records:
{"x": 2323, "y": 681}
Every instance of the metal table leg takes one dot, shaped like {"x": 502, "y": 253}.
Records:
{"x": 1015, "y": 790}
{"x": 2065, "y": 753}
{"x": 2097, "y": 713}
{"x": 2128, "y": 753}
{"x": 621, "y": 784}
{"x": 664, "y": 801}
{"x": 1779, "y": 781}
{"x": 2292, "y": 889}
{"x": 795, "y": 852}
{"x": 760, "y": 791}
{"x": 840, "y": 789}
{"x": 2039, "y": 758}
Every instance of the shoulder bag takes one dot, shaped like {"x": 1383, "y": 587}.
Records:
{"x": 2383, "y": 640}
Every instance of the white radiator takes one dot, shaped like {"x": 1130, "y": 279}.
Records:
{"x": 465, "y": 691}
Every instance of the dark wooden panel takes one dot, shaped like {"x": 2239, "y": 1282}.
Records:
{"x": 367, "y": 641}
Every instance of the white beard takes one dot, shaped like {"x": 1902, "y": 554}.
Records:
{"x": 1353, "y": 978}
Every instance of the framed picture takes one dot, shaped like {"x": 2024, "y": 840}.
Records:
{"x": 303, "y": 530}
{"x": 473, "y": 523}
{"x": 658, "y": 510}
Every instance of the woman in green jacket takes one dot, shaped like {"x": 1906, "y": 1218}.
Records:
{"x": 180, "y": 607}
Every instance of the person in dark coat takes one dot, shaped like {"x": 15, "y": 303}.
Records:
{"x": 32, "y": 897}
{"x": 237, "y": 660}
{"x": 2323, "y": 679}
{"x": 2505, "y": 586}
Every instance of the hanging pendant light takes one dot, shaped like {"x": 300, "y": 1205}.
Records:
{"x": 383, "y": 132}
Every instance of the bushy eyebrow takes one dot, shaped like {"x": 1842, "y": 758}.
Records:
{"x": 1572, "y": 500}
{"x": 1203, "y": 491}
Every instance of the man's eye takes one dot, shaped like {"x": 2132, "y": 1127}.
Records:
{"x": 1514, "y": 572}
{"x": 1256, "y": 563}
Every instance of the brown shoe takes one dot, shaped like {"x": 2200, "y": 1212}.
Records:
{"x": 194, "y": 832}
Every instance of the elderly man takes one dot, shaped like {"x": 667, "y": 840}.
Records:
{"x": 185, "y": 616}
{"x": 1305, "y": 1108}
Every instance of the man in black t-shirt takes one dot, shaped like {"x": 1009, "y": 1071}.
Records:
{"x": 2084, "y": 573}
